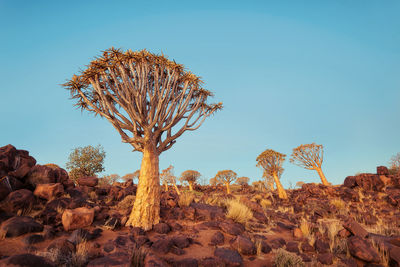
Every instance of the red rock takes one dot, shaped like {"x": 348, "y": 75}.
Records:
{"x": 217, "y": 239}
{"x": 231, "y": 258}
{"x": 49, "y": 191}
{"x": 325, "y": 258}
{"x": 297, "y": 233}
{"x": 41, "y": 175}
{"x": 20, "y": 199}
{"x": 162, "y": 228}
{"x": 117, "y": 259}
{"x": 77, "y": 218}
{"x": 24, "y": 260}
{"x": 20, "y": 225}
{"x": 62, "y": 245}
{"x": 382, "y": 170}
{"x": 231, "y": 228}
{"x": 394, "y": 254}
{"x": 88, "y": 181}
{"x": 244, "y": 245}
{"x": 362, "y": 249}
{"x": 355, "y": 228}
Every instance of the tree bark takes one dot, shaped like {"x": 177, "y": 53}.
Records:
{"x": 166, "y": 187}
{"x": 190, "y": 187}
{"x": 322, "y": 176}
{"x": 228, "y": 189}
{"x": 146, "y": 210}
{"x": 281, "y": 191}
{"x": 177, "y": 189}
{"x": 271, "y": 186}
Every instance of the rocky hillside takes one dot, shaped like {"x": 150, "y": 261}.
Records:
{"x": 47, "y": 220}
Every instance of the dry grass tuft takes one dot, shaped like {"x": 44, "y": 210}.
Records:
{"x": 126, "y": 203}
{"x": 77, "y": 259}
{"x": 185, "y": 199}
{"x": 237, "y": 211}
{"x": 265, "y": 203}
{"x": 138, "y": 257}
{"x": 285, "y": 258}
{"x": 305, "y": 228}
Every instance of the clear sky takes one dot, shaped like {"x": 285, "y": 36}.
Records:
{"x": 288, "y": 73}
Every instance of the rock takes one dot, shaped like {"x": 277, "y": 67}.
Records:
{"x": 211, "y": 262}
{"x": 243, "y": 245}
{"x": 77, "y": 218}
{"x": 355, "y": 228}
{"x": 20, "y": 225}
{"x": 362, "y": 249}
{"x": 297, "y": 233}
{"x": 79, "y": 236}
{"x": 231, "y": 228}
{"x": 217, "y": 238}
{"x": 118, "y": 259}
{"x": 49, "y": 191}
{"x": 162, "y": 228}
{"x": 230, "y": 257}
{"x": 321, "y": 246}
{"x": 33, "y": 239}
{"x": 20, "y": 199}
{"x": 350, "y": 182}
{"x": 188, "y": 262}
{"x": 41, "y": 175}
{"x": 382, "y": 170}
{"x": 62, "y": 245}
{"x": 7, "y": 156}
{"x": 25, "y": 260}
{"x": 207, "y": 212}
{"x": 181, "y": 241}
{"x": 277, "y": 243}
{"x": 394, "y": 254}
{"x": 88, "y": 181}
{"x": 108, "y": 247}
{"x": 153, "y": 261}
{"x": 162, "y": 245}
{"x": 265, "y": 248}
{"x": 292, "y": 246}
{"x": 325, "y": 258}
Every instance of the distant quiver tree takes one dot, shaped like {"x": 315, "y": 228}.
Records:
{"x": 150, "y": 101}
{"x": 226, "y": 177}
{"x": 190, "y": 176}
{"x": 310, "y": 157}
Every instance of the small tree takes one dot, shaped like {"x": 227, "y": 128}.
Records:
{"x": 190, "y": 176}
{"x": 167, "y": 177}
{"x": 151, "y": 101}
{"x": 226, "y": 177}
{"x": 131, "y": 176}
{"x": 271, "y": 162}
{"x": 394, "y": 164}
{"x": 85, "y": 161}
{"x": 109, "y": 179}
{"x": 213, "y": 181}
{"x": 269, "y": 180}
{"x": 243, "y": 180}
{"x": 310, "y": 157}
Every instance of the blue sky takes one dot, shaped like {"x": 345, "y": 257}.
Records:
{"x": 288, "y": 72}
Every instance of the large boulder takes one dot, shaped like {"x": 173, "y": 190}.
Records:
{"x": 366, "y": 181}
{"x": 7, "y": 155}
{"x": 244, "y": 245}
{"x": 88, "y": 181}
{"x": 49, "y": 191}
{"x": 230, "y": 257}
{"x": 46, "y": 174}
{"x": 20, "y": 225}
{"x": 117, "y": 259}
{"x": 20, "y": 199}
{"x": 15, "y": 162}
{"x": 362, "y": 249}
{"x": 77, "y": 218}
{"x": 25, "y": 260}
{"x": 9, "y": 184}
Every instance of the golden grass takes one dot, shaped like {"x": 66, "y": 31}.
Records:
{"x": 237, "y": 211}
{"x": 79, "y": 258}
{"x": 265, "y": 203}
{"x": 285, "y": 258}
{"x": 305, "y": 228}
{"x": 126, "y": 203}
{"x": 185, "y": 199}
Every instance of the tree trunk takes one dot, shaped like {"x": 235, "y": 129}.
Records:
{"x": 177, "y": 189}
{"x": 322, "y": 176}
{"x": 190, "y": 187}
{"x": 166, "y": 187}
{"x": 228, "y": 189}
{"x": 271, "y": 186}
{"x": 281, "y": 191}
{"x": 146, "y": 210}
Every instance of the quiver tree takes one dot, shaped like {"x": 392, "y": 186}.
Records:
{"x": 271, "y": 162}
{"x": 394, "y": 164}
{"x": 310, "y": 157}
{"x": 131, "y": 176}
{"x": 213, "y": 181}
{"x": 243, "y": 180}
{"x": 167, "y": 177}
{"x": 150, "y": 101}
{"x": 190, "y": 176}
{"x": 226, "y": 177}
{"x": 269, "y": 180}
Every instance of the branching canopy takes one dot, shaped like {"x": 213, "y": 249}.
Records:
{"x": 225, "y": 177}
{"x": 271, "y": 161}
{"x": 143, "y": 95}
{"x": 242, "y": 180}
{"x": 309, "y": 156}
{"x": 190, "y": 176}
{"x": 395, "y": 163}
{"x": 167, "y": 175}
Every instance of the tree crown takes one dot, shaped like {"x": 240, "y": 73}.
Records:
{"x": 225, "y": 176}
{"x": 308, "y": 156}
{"x": 190, "y": 176}
{"x": 167, "y": 175}
{"x": 242, "y": 180}
{"x": 143, "y": 95}
{"x": 271, "y": 161}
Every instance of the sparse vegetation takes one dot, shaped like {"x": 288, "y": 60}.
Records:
{"x": 126, "y": 203}
{"x": 185, "y": 199}
{"x": 226, "y": 177}
{"x": 237, "y": 211}
{"x": 285, "y": 258}
{"x": 190, "y": 176}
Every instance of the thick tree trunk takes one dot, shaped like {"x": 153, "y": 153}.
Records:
{"x": 322, "y": 176}
{"x": 166, "y": 187}
{"x": 146, "y": 210}
{"x": 281, "y": 191}
{"x": 177, "y": 189}
{"x": 228, "y": 188}
{"x": 191, "y": 186}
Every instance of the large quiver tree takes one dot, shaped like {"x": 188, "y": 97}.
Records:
{"x": 310, "y": 157}
{"x": 150, "y": 101}
{"x": 271, "y": 162}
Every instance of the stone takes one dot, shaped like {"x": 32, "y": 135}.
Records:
{"x": 25, "y": 260}
{"x": 77, "y": 218}
{"x": 231, "y": 228}
{"x": 382, "y": 170}
{"x": 394, "y": 254}
{"x": 230, "y": 257}
{"x": 321, "y": 246}
{"x": 292, "y": 246}
{"x": 207, "y": 212}
{"x": 33, "y": 239}
{"x": 362, "y": 249}
{"x": 49, "y": 191}
{"x": 325, "y": 258}
{"x": 217, "y": 238}
{"x": 117, "y": 259}
{"x": 153, "y": 261}
{"x": 277, "y": 243}
{"x": 297, "y": 233}
{"x": 350, "y": 182}
{"x": 306, "y": 247}
{"x": 20, "y": 225}
{"x": 41, "y": 174}
{"x": 20, "y": 199}
{"x": 162, "y": 245}
{"x": 244, "y": 245}
{"x": 265, "y": 248}
{"x": 88, "y": 181}
{"x": 64, "y": 246}
{"x": 355, "y": 228}
{"x": 162, "y": 228}
{"x": 181, "y": 241}
{"x": 188, "y": 262}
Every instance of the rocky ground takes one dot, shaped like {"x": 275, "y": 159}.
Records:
{"x": 46, "y": 220}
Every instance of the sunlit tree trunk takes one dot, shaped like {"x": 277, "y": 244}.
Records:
{"x": 191, "y": 186}
{"x": 177, "y": 189}
{"x": 271, "y": 186}
{"x": 166, "y": 187}
{"x": 146, "y": 210}
{"x": 228, "y": 188}
{"x": 281, "y": 191}
{"x": 322, "y": 176}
